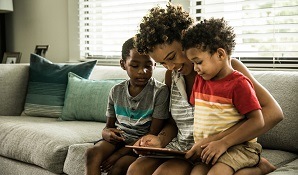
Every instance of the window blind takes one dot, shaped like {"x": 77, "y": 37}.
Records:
{"x": 104, "y": 25}
{"x": 266, "y": 31}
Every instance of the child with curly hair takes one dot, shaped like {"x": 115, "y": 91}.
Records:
{"x": 136, "y": 107}
{"x": 160, "y": 34}
{"x": 222, "y": 97}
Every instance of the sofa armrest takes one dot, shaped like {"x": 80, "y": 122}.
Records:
{"x": 13, "y": 83}
{"x": 75, "y": 159}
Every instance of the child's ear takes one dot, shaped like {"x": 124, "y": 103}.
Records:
{"x": 122, "y": 62}
{"x": 221, "y": 53}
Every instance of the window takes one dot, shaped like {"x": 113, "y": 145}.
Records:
{"x": 106, "y": 24}
{"x": 266, "y": 31}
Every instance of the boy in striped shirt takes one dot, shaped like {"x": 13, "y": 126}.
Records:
{"x": 136, "y": 107}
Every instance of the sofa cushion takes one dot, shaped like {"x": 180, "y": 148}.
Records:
{"x": 288, "y": 169}
{"x": 278, "y": 158}
{"x": 47, "y": 85}
{"x": 283, "y": 87}
{"x": 44, "y": 141}
{"x": 14, "y": 167}
{"x": 86, "y": 99}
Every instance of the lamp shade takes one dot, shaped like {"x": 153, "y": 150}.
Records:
{"x": 6, "y": 6}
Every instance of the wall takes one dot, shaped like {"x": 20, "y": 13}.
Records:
{"x": 2, "y": 35}
{"x": 37, "y": 22}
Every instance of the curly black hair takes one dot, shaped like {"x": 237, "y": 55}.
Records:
{"x": 161, "y": 25}
{"x": 209, "y": 35}
{"x": 126, "y": 47}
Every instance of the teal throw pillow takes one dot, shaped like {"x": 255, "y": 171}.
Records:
{"x": 47, "y": 85}
{"x": 87, "y": 99}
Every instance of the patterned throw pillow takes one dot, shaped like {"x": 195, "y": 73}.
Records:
{"x": 87, "y": 99}
{"x": 47, "y": 85}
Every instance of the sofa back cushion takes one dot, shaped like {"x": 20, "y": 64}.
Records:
{"x": 116, "y": 72}
{"x": 47, "y": 85}
{"x": 13, "y": 83}
{"x": 283, "y": 86}
{"x": 87, "y": 99}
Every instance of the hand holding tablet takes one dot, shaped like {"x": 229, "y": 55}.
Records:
{"x": 157, "y": 152}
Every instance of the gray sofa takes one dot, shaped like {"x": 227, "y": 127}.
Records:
{"x": 46, "y": 146}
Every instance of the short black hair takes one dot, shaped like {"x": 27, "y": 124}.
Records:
{"x": 126, "y": 47}
{"x": 160, "y": 26}
{"x": 210, "y": 35}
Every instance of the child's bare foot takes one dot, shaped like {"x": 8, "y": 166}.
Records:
{"x": 265, "y": 166}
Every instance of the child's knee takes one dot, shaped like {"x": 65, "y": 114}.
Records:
{"x": 119, "y": 168}
{"x": 133, "y": 169}
{"x": 90, "y": 154}
{"x": 221, "y": 168}
{"x": 200, "y": 168}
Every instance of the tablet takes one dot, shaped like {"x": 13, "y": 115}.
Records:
{"x": 157, "y": 152}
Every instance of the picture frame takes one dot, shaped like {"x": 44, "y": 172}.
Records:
{"x": 41, "y": 50}
{"x": 11, "y": 57}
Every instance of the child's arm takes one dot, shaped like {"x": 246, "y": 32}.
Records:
{"x": 253, "y": 124}
{"x": 165, "y": 129}
{"x": 150, "y": 139}
{"x": 213, "y": 150}
{"x": 165, "y": 136}
{"x": 110, "y": 133}
{"x": 155, "y": 127}
{"x": 168, "y": 132}
{"x": 195, "y": 152}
